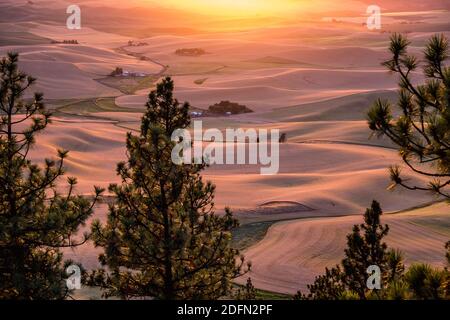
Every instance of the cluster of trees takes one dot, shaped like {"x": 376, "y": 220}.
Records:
{"x": 228, "y": 107}
{"x": 366, "y": 248}
{"x": 192, "y": 52}
{"x": 162, "y": 238}
{"x": 118, "y": 71}
{"x": 421, "y": 130}
{"x": 131, "y": 43}
{"x": 65, "y": 42}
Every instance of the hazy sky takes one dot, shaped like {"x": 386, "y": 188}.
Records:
{"x": 253, "y": 7}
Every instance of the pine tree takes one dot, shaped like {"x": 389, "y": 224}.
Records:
{"x": 447, "y": 272}
{"x": 425, "y": 282}
{"x": 447, "y": 255}
{"x": 422, "y": 129}
{"x": 365, "y": 248}
{"x": 395, "y": 266}
{"x": 247, "y": 292}
{"x": 35, "y": 220}
{"x": 329, "y": 286}
{"x": 162, "y": 238}
{"x": 397, "y": 290}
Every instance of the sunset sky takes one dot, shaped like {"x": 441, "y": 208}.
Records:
{"x": 237, "y": 7}
{"x": 244, "y": 8}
